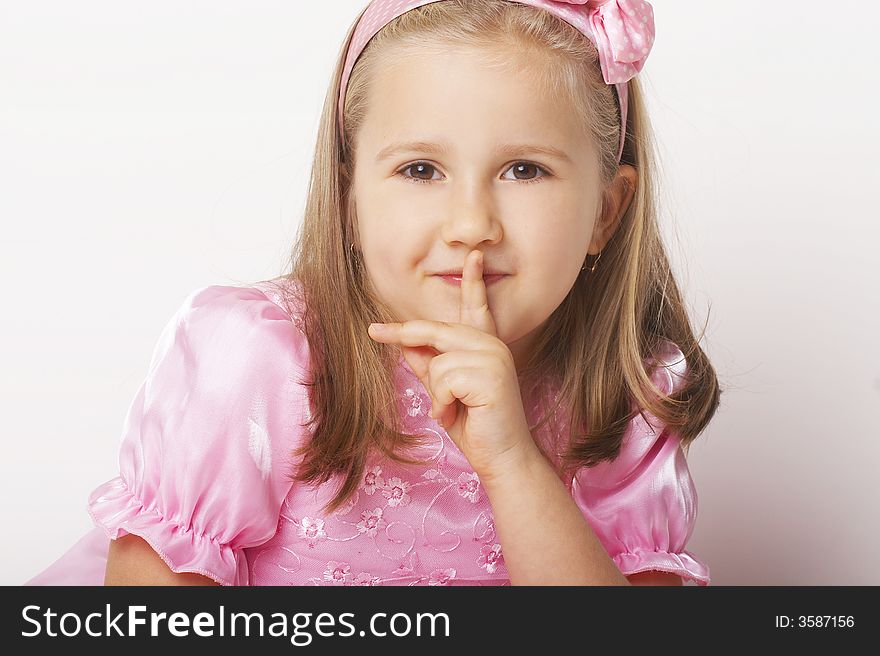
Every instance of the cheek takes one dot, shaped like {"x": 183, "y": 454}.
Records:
{"x": 387, "y": 233}
{"x": 556, "y": 248}
{"x": 381, "y": 253}
{"x": 393, "y": 265}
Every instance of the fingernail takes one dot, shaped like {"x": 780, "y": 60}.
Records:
{"x": 377, "y": 327}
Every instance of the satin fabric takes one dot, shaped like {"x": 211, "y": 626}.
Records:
{"x": 206, "y": 451}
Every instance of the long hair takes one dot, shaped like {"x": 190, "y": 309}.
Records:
{"x": 596, "y": 343}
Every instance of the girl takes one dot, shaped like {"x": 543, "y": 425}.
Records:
{"x": 482, "y": 190}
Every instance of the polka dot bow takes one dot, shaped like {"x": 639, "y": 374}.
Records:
{"x": 624, "y": 34}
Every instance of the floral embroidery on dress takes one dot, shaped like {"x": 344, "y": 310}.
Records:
{"x": 414, "y": 402}
{"x": 469, "y": 486}
{"x": 365, "y": 578}
{"x": 409, "y": 565}
{"x": 312, "y": 530}
{"x": 490, "y": 557}
{"x": 337, "y": 573}
{"x": 371, "y": 522}
{"x": 396, "y": 491}
{"x": 441, "y": 576}
{"x": 373, "y": 480}
{"x": 488, "y": 532}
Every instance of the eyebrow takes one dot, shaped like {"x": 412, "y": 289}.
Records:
{"x": 441, "y": 149}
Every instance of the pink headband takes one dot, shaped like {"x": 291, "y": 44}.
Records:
{"x": 621, "y": 30}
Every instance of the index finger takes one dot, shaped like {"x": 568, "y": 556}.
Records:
{"x": 474, "y": 308}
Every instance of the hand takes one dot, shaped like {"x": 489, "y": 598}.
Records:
{"x": 472, "y": 382}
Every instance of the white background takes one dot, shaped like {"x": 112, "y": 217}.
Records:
{"x": 147, "y": 149}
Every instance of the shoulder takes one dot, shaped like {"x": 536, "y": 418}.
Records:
{"x": 256, "y": 303}
{"x": 207, "y": 451}
{"x": 227, "y": 379}
{"x": 645, "y": 441}
{"x": 285, "y": 293}
{"x": 242, "y": 325}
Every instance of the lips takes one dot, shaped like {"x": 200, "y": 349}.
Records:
{"x": 487, "y": 280}
{"x": 487, "y": 271}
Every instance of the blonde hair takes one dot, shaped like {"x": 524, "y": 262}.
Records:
{"x": 596, "y": 342}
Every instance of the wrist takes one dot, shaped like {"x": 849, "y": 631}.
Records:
{"x": 515, "y": 465}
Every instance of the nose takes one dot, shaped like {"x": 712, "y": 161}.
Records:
{"x": 472, "y": 219}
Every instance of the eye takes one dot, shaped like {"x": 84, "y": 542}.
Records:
{"x": 519, "y": 166}
{"x": 425, "y": 167}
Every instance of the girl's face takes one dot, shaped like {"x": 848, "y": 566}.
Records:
{"x": 421, "y": 208}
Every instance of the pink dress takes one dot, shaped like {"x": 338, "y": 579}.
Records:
{"x": 206, "y": 450}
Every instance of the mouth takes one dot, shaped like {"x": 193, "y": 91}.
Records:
{"x": 490, "y": 279}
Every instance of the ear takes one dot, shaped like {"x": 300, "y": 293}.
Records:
{"x": 616, "y": 201}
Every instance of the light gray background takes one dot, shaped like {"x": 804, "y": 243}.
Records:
{"x": 147, "y": 149}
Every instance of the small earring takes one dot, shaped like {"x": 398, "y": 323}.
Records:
{"x": 595, "y": 263}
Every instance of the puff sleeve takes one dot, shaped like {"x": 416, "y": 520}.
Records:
{"x": 643, "y": 505}
{"x": 207, "y": 440}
